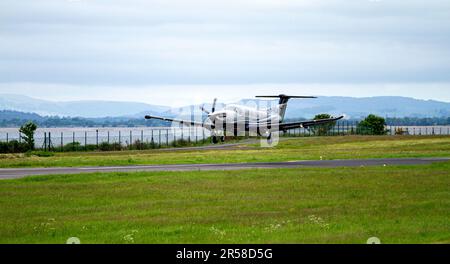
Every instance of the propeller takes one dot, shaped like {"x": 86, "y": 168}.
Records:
{"x": 214, "y": 105}
{"x": 204, "y": 110}
{"x": 213, "y": 109}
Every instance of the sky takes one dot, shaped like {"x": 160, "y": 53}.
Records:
{"x": 174, "y": 52}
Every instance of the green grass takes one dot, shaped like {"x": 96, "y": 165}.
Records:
{"x": 339, "y": 147}
{"x": 402, "y": 204}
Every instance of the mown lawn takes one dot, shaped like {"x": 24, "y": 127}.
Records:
{"x": 402, "y": 204}
{"x": 339, "y": 147}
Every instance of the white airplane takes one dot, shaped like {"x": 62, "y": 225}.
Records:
{"x": 242, "y": 119}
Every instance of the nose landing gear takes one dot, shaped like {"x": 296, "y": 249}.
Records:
{"x": 269, "y": 139}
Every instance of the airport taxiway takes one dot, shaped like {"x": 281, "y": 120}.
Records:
{"x": 14, "y": 173}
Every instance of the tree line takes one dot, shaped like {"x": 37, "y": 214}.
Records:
{"x": 16, "y": 119}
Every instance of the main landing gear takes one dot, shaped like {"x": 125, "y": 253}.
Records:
{"x": 216, "y": 139}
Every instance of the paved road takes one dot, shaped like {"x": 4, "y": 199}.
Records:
{"x": 20, "y": 173}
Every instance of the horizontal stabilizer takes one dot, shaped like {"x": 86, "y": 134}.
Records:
{"x": 285, "y": 98}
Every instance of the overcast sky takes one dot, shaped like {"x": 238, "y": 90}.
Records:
{"x": 175, "y": 52}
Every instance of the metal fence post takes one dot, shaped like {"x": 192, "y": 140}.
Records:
{"x": 167, "y": 137}
{"x": 142, "y": 139}
{"x": 131, "y": 139}
{"x": 159, "y": 141}
{"x": 174, "y": 137}
{"x": 120, "y": 140}
{"x": 97, "y": 138}
{"x": 45, "y": 141}
{"x": 85, "y": 140}
{"x": 108, "y": 137}
{"x": 62, "y": 142}
{"x": 153, "y": 140}
{"x": 73, "y": 141}
{"x": 49, "y": 140}
{"x": 7, "y": 138}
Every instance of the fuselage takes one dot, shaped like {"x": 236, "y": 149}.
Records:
{"x": 239, "y": 119}
{"x": 243, "y": 114}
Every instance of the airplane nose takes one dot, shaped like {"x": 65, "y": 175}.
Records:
{"x": 217, "y": 115}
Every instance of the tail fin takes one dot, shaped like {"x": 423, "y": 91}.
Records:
{"x": 282, "y": 103}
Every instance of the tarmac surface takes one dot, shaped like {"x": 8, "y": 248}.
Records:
{"x": 24, "y": 172}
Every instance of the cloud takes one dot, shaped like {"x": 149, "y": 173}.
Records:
{"x": 150, "y": 43}
{"x": 181, "y": 95}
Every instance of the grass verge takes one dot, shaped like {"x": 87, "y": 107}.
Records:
{"x": 314, "y": 148}
{"x": 402, "y": 204}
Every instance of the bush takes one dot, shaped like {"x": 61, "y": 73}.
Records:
{"x": 374, "y": 124}
{"x": 181, "y": 143}
{"x": 13, "y": 146}
{"x": 75, "y": 146}
{"x": 323, "y": 130}
{"x": 41, "y": 153}
{"x": 401, "y": 131}
{"x": 105, "y": 146}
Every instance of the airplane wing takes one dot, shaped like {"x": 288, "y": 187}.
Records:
{"x": 309, "y": 123}
{"x": 184, "y": 122}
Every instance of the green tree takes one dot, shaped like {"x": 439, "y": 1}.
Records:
{"x": 27, "y": 131}
{"x": 373, "y": 124}
{"x": 322, "y": 130}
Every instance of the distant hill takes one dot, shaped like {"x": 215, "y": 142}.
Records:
{"x": 10, "y": 118}
{"x": 355, "y": 108}
{"x": 352, "y": 108}
{"x": 87, "y": 109}
{"x": 16, "y": 119}
{"x": 6, "y": 115}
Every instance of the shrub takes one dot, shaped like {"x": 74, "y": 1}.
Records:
{"x": 374, "y": 124}
{"x": 41, "y": 153}
{"x": 13, "y": 146}
{"x": 73, "y": 146}
{"x": 323, "y": 130}
{"x": 401, "y": 131}
{"x": 105, "y": 146}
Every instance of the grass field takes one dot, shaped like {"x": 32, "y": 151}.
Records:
{"x": 404, "y": 204}
{"x": 398, "y": 204}
{"x": 339, "y": 147}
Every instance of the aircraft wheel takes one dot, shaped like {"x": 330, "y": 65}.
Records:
{"x": 215, "y": 140}
{"x": 269, "y": 139}
{"x": 222, "y": 139}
